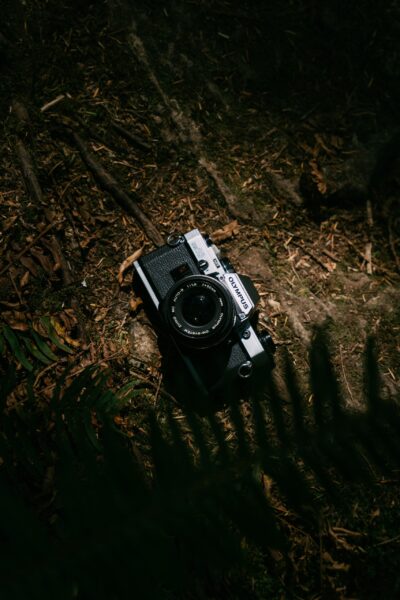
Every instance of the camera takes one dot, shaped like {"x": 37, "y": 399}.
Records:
{"x": 208, "y": 312}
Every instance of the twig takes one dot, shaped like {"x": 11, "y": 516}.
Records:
{"x": 330, "y": 254}
{"x": 344, "y": 373}
{"x": 156, "y": 395}
{"x": 368, "y": 246}
{"x": 156, "y": 386}
{"x": 389, "y": 541}
{"x": 378, "y": 267}
{"x": 29, "y": 246}
{"x": 130, "y": 137}
{"x": 52, "y": 103}
{"x": 311, "y": 254}
{"x": 55, "y": 248}
{"x": 107, "y": 181}
{"x": 52, "y": 366}
{"x": 28, "y": 172}
{"x": 352, "y": 244}
{"x": 392, "y": 244}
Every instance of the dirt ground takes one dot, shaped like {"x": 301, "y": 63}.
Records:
{"x": 233, "y": 112}
{"x": 224, "y": 146}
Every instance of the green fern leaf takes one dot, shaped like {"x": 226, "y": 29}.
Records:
{"x": 32, "y": 348}
{"x": 43, "y": 347}
{"x": 16, "y": 348}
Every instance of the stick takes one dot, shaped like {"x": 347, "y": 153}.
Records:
{"x": 311, "y": 255}
{"x": 378, "y": 267}
{"x": 130, "y": 137}
{"x": 107, "y": 181}
{"x": 330, "y": 254}
{"x": 28, "y": 172}
{"x": 368, "y": 246}
{"x": 392, "y": 244}
{"x": 59, "y": 259}
{"x": 52, "y": 103}
{"x": 344, "y": 374}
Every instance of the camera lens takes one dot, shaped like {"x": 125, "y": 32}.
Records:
{"x": 199, "y": 308}
{"x": 199, "y": 311}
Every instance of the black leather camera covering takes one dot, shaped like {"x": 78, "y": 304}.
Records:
{"x": 159, "y": 264}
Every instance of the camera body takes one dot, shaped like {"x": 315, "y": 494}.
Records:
{"x": 208, "y": 311}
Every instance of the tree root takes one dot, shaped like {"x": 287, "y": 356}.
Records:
{"x": 35, "y": 191}
{"x": 108, "y": 183}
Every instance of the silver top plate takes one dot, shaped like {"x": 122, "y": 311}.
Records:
{"x": 231, "y": 281}
{"x": 202, "y": 251}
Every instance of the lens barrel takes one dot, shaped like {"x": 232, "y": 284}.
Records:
{"x": 199, "y": 311}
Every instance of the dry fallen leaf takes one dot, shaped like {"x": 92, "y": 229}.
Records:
{"x": 8, "y": 223}
{"x": 226, "y": 232}
{"x": 50, "y": 214}
{"x": 330, "y": 265}
{"x": 68, "y": 318}
{"x": 318, "y": 176}
{"x": 24, "y": 279}
{"x": 84, "y": 243}
{"x": 320, "y": 140}
{"x": 10, "y": 304}
{"x": 275, "y": 305}
{"x": 266, "y": 483}
{"x": 17, "y": 325}
{"x": 101, "y": 313}
{"x": 134, "y": 303}
{"x": 375, "y": 513}
{"x": 333, "y": 564}
{"x": 127, "y": 263}
{"x": 14, "y": 320}
{"x": 30, "y": 265}
{"x": 54, "y": 248}
{"x": 62, "y": 333}
{"x": 43, "y": 260}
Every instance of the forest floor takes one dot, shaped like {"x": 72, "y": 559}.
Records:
{"x": 221, "y": 140}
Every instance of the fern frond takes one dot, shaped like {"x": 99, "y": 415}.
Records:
{"x": 28, "y": 348}
{"x": 191, "y": 506}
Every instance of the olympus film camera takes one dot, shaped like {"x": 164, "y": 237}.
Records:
{"x": 208, "y": 311}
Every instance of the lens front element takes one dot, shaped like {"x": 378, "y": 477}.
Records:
{"x": 199, "y": 308}
{"x": 199, "y": 311}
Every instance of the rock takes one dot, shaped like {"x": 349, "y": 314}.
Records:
{"x": 143, "y": 342}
